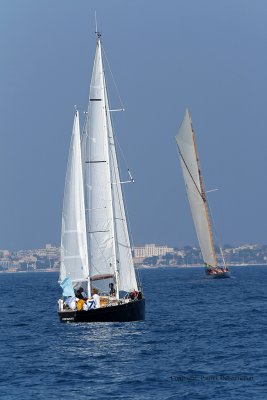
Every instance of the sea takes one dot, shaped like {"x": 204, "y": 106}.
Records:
{"x": 202, "y": 339}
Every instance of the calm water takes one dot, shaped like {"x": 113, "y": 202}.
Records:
{"x": 202, "y": 339}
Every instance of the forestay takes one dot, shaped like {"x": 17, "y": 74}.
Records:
{"x": 195, "y": 189}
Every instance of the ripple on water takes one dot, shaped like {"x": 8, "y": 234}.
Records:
{"x": 195, "y": 327}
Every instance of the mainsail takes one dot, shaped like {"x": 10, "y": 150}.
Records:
{"x": 185, "y": 140}
{"x": 74, "y": 255}
{"x": 107, "y": 232}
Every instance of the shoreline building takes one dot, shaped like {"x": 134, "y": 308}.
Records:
{"x": 150, "y": 250}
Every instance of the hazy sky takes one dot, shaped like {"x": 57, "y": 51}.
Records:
{"x": 165, "y": 55}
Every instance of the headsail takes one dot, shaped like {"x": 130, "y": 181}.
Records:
{"x": 74, "y": 254}
{"x": 195, "y": 189}
{"x": 107, "y": 233}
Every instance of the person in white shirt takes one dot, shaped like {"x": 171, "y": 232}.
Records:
{"x": 71, "y": 302}
{"x": 96, "y": 298}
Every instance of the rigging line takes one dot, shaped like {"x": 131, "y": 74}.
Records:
{"x": 191, "y": 176}
{"x": 123, "y": 210}
{"x": 117, "y": 187}
{"x": 112, "y": 76}
{"x": 117, "y": 144}
{"x": 121, "y": 199}
{"x": 123, "y": 156}
{"x": 115, "y": 162}
{"x": 129, "y": 227}
{"x": 115, "y": 138}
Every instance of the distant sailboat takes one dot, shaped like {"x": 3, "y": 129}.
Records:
{"x": 196, "y": 194}
{"x": 96, "y": 258}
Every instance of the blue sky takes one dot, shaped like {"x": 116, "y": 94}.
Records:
{"x": 165, "y": 55}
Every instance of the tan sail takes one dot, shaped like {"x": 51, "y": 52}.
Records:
{"x": 195, "y": 190}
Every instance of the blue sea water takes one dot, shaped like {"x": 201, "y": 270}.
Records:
{"x": 202, "y": 339}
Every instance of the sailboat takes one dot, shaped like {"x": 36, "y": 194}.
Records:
{"x": 97, "y": 274}
{"x": 185, "y": 140}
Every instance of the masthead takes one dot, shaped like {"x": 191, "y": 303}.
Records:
{"x": 98, "y": 34}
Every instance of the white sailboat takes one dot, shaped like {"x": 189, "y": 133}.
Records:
{"x": 196, "y": 194}
{"x": 96, "y": 252}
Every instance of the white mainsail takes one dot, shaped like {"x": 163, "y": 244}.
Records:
{"x": 107, "y": 233}
{"x": 195, "y": 190}
{"x": 74, "y": 254}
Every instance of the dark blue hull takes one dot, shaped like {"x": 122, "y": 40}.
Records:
{"x": 220, "y": 275}
{"x": 126, "y": 312}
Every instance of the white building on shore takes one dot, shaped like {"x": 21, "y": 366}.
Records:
{"x": 150, "y": 250}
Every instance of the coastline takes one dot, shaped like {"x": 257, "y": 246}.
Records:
{"x": 28, "y": 272}
{"x": 184, "y": 266}
{"x": 141, "y": 266}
